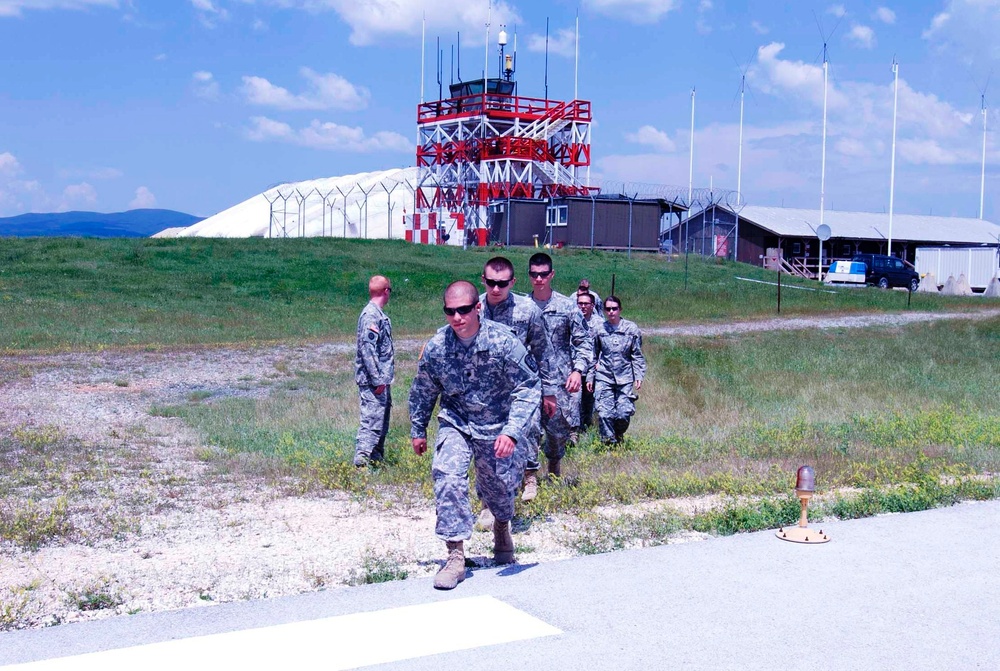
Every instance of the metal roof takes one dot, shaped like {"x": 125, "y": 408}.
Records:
{"x": 873, "y": 226}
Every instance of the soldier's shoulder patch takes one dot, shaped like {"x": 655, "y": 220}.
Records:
{"x": 531, "y": 364}
{"x": 372, "y": 335}
{"x": 373, "y": 327}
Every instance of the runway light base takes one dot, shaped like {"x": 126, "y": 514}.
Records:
{"x": 802, "y": 535}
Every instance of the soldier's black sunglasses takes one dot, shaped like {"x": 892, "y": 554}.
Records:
{"x": 497, "y": 283}
{"x": 461, "y": 309}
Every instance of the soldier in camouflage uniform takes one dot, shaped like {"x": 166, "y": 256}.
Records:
{"x": 570, "y": 356}
{"x": 374, "y": 370}
{"x": 586, "y": 301}
{"x": 490, "y": 392}
{"x": 618, "y": 371}
{"x": 525, "y": 320}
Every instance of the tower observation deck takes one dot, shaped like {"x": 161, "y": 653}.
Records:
{"x": 480, "y": 146}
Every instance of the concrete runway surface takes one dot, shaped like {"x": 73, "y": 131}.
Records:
{"x": 913, "y": 591}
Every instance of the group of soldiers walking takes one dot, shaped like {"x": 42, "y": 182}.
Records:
{"x": 515, "y": 376}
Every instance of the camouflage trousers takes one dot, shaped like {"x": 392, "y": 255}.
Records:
{"x": 583, "y": 404}
{"x": 497, "y": 481}
{"x": 556, "y": 430}
{"x": 375, "y": 408}
{"x": 615, "y": 405}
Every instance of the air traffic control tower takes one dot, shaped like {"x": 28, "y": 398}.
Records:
{"x": 483, "y": 144}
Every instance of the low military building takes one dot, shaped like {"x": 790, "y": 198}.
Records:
{"x": 606, "y": 222}
{"x": 791, "y": 234}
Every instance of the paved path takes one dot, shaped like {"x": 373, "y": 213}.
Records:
{"x": 916, "y": 591}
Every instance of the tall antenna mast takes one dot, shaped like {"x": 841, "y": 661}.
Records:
{"x": 982, "y": 176}
{"x": 739, "y": 173}
{"x": 576, "y": 69}
{"x": 892, "y": 171}
{"x": 458, "y": 62}
{"x": 691, "y": 160}
{"x": 546, "y": 59}
{"x": 423, "y": 53}
{"x": 486, "y": 62}
{"x": 440, "y": 57}
{"x": 822, "y": 173}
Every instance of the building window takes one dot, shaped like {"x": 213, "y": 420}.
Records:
{"x": 847, "y": 250}
{"x": 557, "y": 215}
{"x": 796, "y": 248}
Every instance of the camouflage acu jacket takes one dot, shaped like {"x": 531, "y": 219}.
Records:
{"x": 618, "y": 354}
{"x": 486, "y": 389}
{"x": 570, "y": 344}
{"x": 373, "y": 363}
{"x": 523, "y": 317}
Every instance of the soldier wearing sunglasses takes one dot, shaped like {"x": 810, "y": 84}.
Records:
{"x": 490, "y": 393}
{"x": 618, "y": 371}
{"x": 571, "y": 350}
{"x": 525, "y": 319}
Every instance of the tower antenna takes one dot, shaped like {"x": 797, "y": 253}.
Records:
{"x": 892, "y": 170}
{"x": 546, "y": 59}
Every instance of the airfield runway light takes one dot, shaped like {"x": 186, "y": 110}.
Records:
{"x": 805, "y": 487}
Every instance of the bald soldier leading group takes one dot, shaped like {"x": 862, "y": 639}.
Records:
{"x": 505, "y": 370}
{"x": 489, "y": 390}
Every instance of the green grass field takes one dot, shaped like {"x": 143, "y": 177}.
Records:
{"x": 58, "y": 293}
{"x": 895, "y": 418}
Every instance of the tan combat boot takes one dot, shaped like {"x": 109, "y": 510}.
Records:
{"x": 485, "y": 520}
{"x": 503, "y": 543}
{"x": 530, "y": 485}
{"x": 453, "y": 571}
{"x": 555, "y": 467}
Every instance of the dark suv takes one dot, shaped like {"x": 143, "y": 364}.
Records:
{"x": 887, "y": 271}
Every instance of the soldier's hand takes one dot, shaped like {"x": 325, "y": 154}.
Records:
{"x": 549, "y": 405}
{"x": 638, "y": 385}
{"x": 573, "y": 382}
{"x": 503, "y": 446}
{"x": 379, "y": 389}
{"x": 419, "y": 445}
{"x": 590, "y": 387}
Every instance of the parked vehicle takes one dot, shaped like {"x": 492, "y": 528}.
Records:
{"x": 978, "y": 264}
{"x": 888, "y": 271}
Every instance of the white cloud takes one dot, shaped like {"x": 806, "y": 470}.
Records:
{"x": 774, "y": 74}
{"x": 205, "y": 85}
{"x": 144, "y": 199}
{"x": 78, "y": 195}
{"x": 836, "y": 10}
{"x": 968, "y": 30}
{"x": 209, "y": 13}
{"x": 17, "y": 7}
{"x": 637, "y": 11}
{"x": 259, "y": 26}
{"x": 9, "y": 165}
{"x": 328, "y": 135}
{"x": 160, "y": 57}
{"x": 651, "y": 137}
{"x": 373, "y": 20}
{"x": 930, "y": 152}
{"x": 563, "y": 43}
{"x": 885, "y": 15}
{"x": 861, "y": 35}
{"x": 329, "y": 91}
{"x": 759, "y": 28}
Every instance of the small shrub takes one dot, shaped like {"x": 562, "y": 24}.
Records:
{"x": 376, "y": 568}
{"x": 101, "y": 595}
{"x": 31, "y": 525}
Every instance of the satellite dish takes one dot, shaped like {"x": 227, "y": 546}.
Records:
{"x": 823, "y": 232}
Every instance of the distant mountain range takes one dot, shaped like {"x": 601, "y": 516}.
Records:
{"x": 131, "y": 224}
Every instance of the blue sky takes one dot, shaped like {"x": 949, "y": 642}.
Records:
{"x": 196, "y": 105}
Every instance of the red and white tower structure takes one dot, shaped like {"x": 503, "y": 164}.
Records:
{"x": 485, "y": 143}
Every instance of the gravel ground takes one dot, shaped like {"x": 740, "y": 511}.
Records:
{"x": 156, "y": 528}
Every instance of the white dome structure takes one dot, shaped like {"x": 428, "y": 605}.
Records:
{"x": 366, "y": 205}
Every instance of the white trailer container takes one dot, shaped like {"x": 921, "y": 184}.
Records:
{"x": 978, "y": 264}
